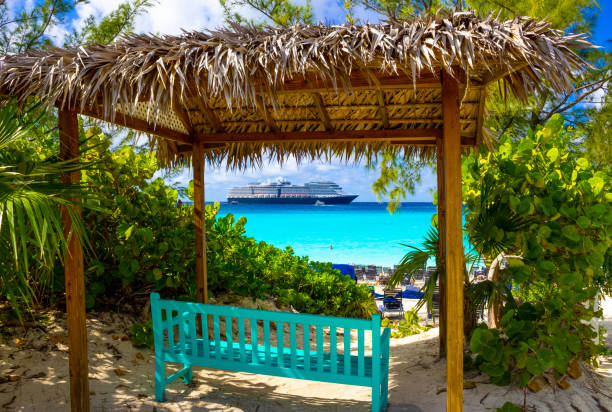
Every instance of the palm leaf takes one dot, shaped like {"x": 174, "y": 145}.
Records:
{"x": 31, "y": 200}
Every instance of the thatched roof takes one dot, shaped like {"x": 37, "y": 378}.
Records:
{"x": 227, "y": 87}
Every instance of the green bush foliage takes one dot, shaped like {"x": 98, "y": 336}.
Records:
{"x": 141, "y": 334}
{"x": 562, "y": 251}
{"x": 509, "y": 407}
{"x": 144, "y": 241}
{"x": 406, "y": 327}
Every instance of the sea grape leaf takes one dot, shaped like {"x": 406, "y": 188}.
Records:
{"x": 546, "y": 266}
{"x": 597, "y": 184}
{"x": 571, "y": 233}
{"x": 524, "y": 379}
{"x": 583, "y": 222}
{"x": 583, "y": 163}
{"x": 533, "y": 366}
{"x": 493, "y": 370}
{"x": 546, "y": 358}
{"x": 505, "y": 320}
{"x": 573, "y": 343}
{"x": 544, "y": 232}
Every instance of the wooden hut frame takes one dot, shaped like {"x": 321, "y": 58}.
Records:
{"x": 245, "y": 95}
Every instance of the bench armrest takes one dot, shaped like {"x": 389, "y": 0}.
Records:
{"x": 384, "y": 343}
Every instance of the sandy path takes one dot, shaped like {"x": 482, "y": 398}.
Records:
{"x": 417, "y": 379}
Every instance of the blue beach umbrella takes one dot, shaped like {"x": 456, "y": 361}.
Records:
{"x": 346, "y": 270}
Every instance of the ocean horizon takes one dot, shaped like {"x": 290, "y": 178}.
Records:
{"x": 357, "y": 233}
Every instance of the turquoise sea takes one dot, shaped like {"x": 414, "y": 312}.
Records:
{"x": 359, "y": 233}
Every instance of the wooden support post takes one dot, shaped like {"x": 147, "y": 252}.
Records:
{"x": 454, "y": 243}
{"x": 441, "y": 244}
{"x": 199, "y": 215}
{"x": 74, "y": 276}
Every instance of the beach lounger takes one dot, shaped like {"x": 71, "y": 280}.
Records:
{"x": 392, "y": 303}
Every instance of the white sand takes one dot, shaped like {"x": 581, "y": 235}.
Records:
{"x": 417, "y": 379}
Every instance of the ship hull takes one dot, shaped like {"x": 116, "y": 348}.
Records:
{"x": 335, "y": 200}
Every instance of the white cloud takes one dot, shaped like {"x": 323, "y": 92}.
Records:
{"x": 597, "y": 98}
{"x": 173, "y": 16}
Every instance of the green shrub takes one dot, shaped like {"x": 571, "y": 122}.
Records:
{"x": 141, "y": 334}
{"x": 561, "y": 248}
{"x": 145, "y": 241}
{"x": 509, "y": 407}
{"x": 408, "y": 326}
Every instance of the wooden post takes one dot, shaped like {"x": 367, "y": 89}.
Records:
{"x": 197, "y": 160}
{"x": 441, "y": 244}
{"x": 454, "y": 243}
{"x": 73, "y": 273}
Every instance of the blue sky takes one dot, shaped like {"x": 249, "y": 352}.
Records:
{"x": 170, "y": 16}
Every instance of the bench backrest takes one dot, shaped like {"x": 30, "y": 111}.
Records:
{"x": 174, "y": 324}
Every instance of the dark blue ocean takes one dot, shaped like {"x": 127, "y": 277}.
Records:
{"x": 359, "y": 233}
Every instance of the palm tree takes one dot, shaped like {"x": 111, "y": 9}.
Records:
{"x": 31, "y": 200}
{"x": 491, "y": 213}
{"x": 417, "y": 257}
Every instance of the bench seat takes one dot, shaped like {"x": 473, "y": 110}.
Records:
{"x": 180, "y": 355}
{"x": 269, "y": 352}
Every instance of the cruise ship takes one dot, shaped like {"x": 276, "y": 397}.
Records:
{"x": 283, "y": 192}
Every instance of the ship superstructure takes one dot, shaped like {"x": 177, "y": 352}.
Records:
{"x": 282, "y": 191}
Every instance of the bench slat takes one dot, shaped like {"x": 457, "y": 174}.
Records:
{"x": 260, "y": 314}
{"x": 241, "y": 339}
{"x": 347, "y": 351}
{"x": 229, "y": 337}
{"x": 360, "y": 354}
{"x": 217, "y": 331}
{"x": 293, "y": 344}
{"x": 254, "y": 344}
{"x": 333, "y": 350}
{"x": 191, "y": 327}
{"x": 267, "y": 342}
{"x": 306, "y": 337}
{"x": 206, "y": 345}
{"x": 170, "y": 329}
{"x": 319, "y": 348}
{"x": 279, "y": 344}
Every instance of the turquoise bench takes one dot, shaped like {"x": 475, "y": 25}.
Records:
{"x": 178, "y": 340}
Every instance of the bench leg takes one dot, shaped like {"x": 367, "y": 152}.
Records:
{"x": 385, "y": 391}
{"x": 188, "y": 377}
{"x": 160, "y": 378}
{"x": 376, "y": 398}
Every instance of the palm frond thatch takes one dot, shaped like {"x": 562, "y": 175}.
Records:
{"x": 244, "y": 79}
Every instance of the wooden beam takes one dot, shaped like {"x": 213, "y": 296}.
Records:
{"x": 441, "y": 244}
{"x": 481, "y": 112}
{"x": 189, "y": 149}
{"x": 348, "y": 135}
{"x": 360, "y": 80}
{"x": 382, "y": 108}
{"x": 74, "y": 274}
{"x": 139, "y": 125}
{"x": 210, "y": 115}
{"x": 465, "y": 141}
{"x": 423, "y": 142}
{"x": 454, "y": 243}
{"x": 199, "y": 215}
{"x": 183, "y": 116}
{"x": 265, "y": 113}
{"x": 323, "y": 115}
{"x": 374, "y": 121}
